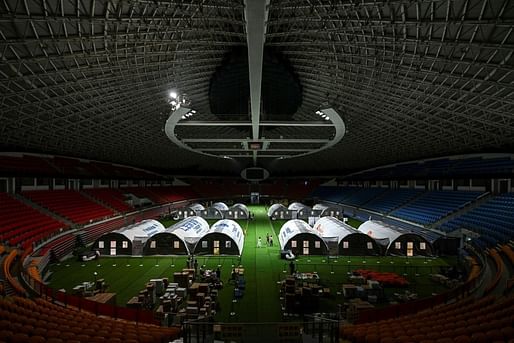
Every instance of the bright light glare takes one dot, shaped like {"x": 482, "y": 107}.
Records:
{"x": 173, "y": 95}
{"x": 327, "y": 118}
{"x": 173, "y": 102}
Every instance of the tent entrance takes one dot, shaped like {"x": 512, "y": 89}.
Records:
{"x": 333, "y": 245}
{"x": 410, "y": 249}
{"x": 113, "y": 252}
{"x": 216, "y": 250}
{"x": 137, "y": 247}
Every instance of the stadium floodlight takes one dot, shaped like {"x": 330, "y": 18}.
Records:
{"x": 183, "y": 117}
{"x": 327, "y": 118}
{"x": 173, "y": 94}
{"x": 193, "y": 111}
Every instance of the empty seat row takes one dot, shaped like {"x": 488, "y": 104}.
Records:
{"x": 69, "y": 204}
{"x": 21, "y": 224}
{"x": 484, "y": 320}
{"x": 113, "y": 198}
{"x": 22, "y": 319}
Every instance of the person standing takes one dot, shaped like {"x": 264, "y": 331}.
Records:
{"x": 291, "y": 267}
{"x": 218, "y": 273}
{"x": 267, "y": 238}
{"x": 270, "y": 241}
{"x": 196, "y": 265}
{"x": 259, "y": 242}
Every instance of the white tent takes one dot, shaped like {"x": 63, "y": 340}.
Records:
{"x": 190, "y": 229}
{"x": 327, "y": 210}
{"x": 240, "y": 207}
{"x": 332, "y": 227}
{"x": 194, "y": 209}
{"x": 215, "y": 211}
{"x": 220, "y": 206}
{"x": 380, "y": 231}
{"x": 225, "y": 237}
{"x": 297, "y": 206}
{"x": 299, "y": 237}
{"x": 144, "y": 229}
{"x": 128, "y": 240}
{"x": 396, "y": 240}
{"x": 350, "y": 241}
{"x": 178, "y": 239}
{"x": 237, "y": 211}
{"x": 279, "y": 211}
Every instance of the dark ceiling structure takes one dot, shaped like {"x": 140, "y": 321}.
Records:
{"x": 410, "y": 79}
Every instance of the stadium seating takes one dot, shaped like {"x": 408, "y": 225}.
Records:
{"x": 22, "y": 224}
{"x": 500, "y": 269}
{"x": 69, "y": 204}
{"x": 111, "y": 197}
{"x": 171, "y": 194}
{"x": 432, "y": 206}
{"x": 91, "y": 233}
{"x": 328, "y": 193}
{"x": 360, "y": 196}
{"x": 392, "y": 199}
{"x": 439, "y": 169}
{"x": 144, "y": 192}
{"x": 492, "y": 220}
{"x": 469, "y": 320}
{"x": 24, "y": 320}
{"x": 6, "y": 271}
{"x": 60, "y": 246}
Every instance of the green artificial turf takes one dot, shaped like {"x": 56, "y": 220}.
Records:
{"x": 263, "y": 270}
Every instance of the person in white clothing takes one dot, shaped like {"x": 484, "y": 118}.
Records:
{"x": 259, "y": 242}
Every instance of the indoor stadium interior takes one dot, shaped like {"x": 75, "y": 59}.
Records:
{"x": 208, "y": 171}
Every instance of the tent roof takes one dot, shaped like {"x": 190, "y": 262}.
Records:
{"x": 275, "y": 207}
{"x": 196, "y": 207}
{"x": 332, "y": 227}
{"x": 230, "y": 228}
{"x": 292, "y": 228}
{"x": 297, "y": 206}
{"x": 221, "y": 206}
{"x": 190, "y": 229}
{"x": 241, "y": 207}
{"x": 383, "y": 232}
{"x": 320, "y": 207}
{"x": 144, "y": 229}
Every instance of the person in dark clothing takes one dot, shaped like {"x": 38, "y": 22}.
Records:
{"x": 195, "y": 264}
{"x": 291, "y": 267}
{"x": 270, "y": 241}
{"x": 218, "y": 273}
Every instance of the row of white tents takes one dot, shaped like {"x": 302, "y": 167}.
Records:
{"x": 192, "y": 235}
{"x": 297, "y": 210}
{"x": 218, "y": 210}
{"x": 330, "y": 236}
